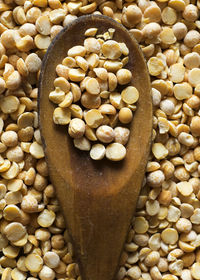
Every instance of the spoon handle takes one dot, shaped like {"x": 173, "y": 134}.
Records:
{"x": 98, "y": 224}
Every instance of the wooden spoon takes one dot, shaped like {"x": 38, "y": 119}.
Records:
{"x": 98, "y": 199}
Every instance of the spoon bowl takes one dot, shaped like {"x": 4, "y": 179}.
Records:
{"x": 98, "y": 199}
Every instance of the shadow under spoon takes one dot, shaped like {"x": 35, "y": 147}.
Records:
{"x": 98, "y": 199}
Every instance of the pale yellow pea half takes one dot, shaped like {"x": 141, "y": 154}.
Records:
{"x": 130, "y": 95}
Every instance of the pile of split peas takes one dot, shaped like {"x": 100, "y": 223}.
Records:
{"x": 164, "y": 240}
{"x": 89, "y": 76}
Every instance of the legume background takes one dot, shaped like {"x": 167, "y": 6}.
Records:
{"x": 164, "y": 240}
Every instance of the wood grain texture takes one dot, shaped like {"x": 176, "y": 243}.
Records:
{"x": 98, "y": 199}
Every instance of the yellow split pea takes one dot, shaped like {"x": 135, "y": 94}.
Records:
{"x": 130, "y": 95}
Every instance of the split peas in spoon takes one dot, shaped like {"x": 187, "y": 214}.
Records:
{"x": 94, "y": 96}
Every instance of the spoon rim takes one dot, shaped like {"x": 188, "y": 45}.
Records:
{"x": 80, "y": 20}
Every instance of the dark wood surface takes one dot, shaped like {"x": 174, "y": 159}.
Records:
{"x": 98, "y": 199}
